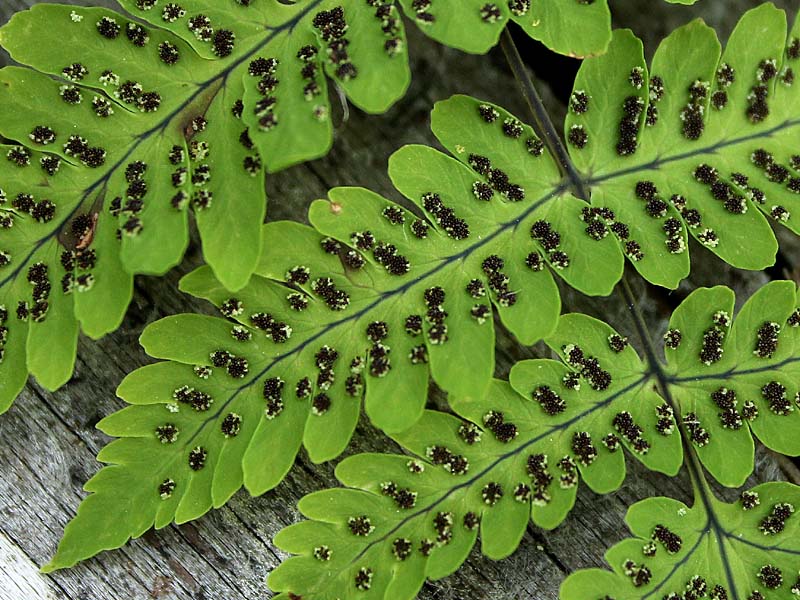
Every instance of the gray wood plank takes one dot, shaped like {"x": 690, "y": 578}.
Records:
{"x": 48, "y": 440}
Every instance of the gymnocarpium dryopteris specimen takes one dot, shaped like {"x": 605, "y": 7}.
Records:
{"x": 147, "y": 123}
{"x": 517, "y": 454}
{"x": 370, "y": 303}
{"x": 376, "y": 300}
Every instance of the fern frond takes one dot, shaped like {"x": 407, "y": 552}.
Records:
{"x": 517, "y": 453}
{"x": 142, "y": 126}
{"x": 370, "y": 304}
{"x": 747, "y": 550}
{"x": 514, "y": 453}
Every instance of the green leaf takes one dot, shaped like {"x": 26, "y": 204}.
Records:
{"x": 530, "y": 439}
{"x": 574, "y": 28}
{"x": 735, "y": 379}
{"x": 577, "y": 29}
{"x": 712, "y": 550}
{"x": 702, "y": 142}
{"x": 140, "y": 128}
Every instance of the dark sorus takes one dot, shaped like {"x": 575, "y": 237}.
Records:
{"x": 579, "y": 102}
{"x": 578, "y": 137}
{"x": 445, "y": 216}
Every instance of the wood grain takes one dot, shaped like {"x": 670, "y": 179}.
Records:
{"x": 48, "y": 440}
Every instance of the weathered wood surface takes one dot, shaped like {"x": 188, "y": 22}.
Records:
{"x": 48, "y": 441}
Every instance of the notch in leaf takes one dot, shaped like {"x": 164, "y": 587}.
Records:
{"x": 518, "y": 453}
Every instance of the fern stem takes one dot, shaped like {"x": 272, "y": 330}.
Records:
{"x": 700, "y": 485}
{"x": 693, "y": 465}
{"x": 545, "y": 128}
{"x": 541, "y": 119}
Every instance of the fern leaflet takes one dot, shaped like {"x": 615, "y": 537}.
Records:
{"x": 747, "y": 550}
{"x": 703, "y": 141}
